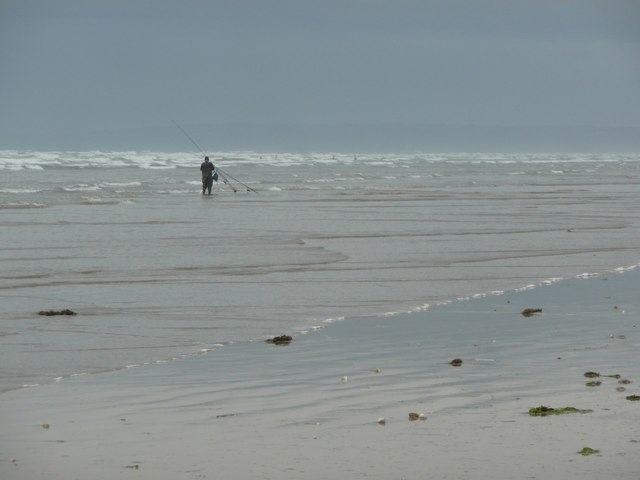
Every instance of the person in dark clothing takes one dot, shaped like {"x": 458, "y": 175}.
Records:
{"x": 208, "y": 169}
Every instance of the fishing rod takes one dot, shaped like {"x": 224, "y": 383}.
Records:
{"x": 225, "y": 181}
{"x": 189, "y": 137}
{"x": 249, "y": 189}
{"x": 224, "y": 175}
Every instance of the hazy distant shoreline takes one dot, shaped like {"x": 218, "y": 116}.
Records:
{"x": 347, "y": 138}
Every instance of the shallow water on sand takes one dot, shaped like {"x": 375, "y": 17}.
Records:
{"x": 156, "y": 271}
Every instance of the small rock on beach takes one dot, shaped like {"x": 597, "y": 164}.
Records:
{"x": 417, "y": 416}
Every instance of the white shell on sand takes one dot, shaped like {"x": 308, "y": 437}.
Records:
{"x": 382, "y": 421}
{"x": 344, "y": 379}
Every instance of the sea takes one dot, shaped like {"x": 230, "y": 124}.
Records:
{"x": 287, "y": 243}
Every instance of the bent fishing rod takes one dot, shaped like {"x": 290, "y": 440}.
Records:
{"x": 222, "y": 173}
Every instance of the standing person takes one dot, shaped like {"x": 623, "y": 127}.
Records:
{"x": 208, "y": 169}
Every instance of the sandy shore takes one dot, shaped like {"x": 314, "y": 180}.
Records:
{"x": 310, "y": 410}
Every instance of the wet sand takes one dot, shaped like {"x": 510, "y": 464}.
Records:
{"x": 310, "y": 410}
{"x": 156, "y": 272}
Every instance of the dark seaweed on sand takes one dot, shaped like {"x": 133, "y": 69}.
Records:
{"x": 543, "y": 411}
{"x": 281, "y": 340}
{"x": 50, "y": 313}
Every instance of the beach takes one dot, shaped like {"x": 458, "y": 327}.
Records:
{"x": 384, "y": 268}
{"x": 312, "y": 409}
{"x": 334, "y": 240}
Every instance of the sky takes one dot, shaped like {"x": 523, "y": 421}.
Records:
{"x": 321, "y": 75}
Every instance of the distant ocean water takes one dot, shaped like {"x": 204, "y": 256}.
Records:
{"x": 157, "y": 272}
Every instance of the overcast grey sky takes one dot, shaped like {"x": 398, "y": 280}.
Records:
{"x": 321, "y": 75}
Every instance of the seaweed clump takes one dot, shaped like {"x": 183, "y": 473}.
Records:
{"x": 281, "y": 340}
{"x": 51, "y": 313}
{"x": 597, "y": 383}
{"x": 528, "y": 312}
{"x": 586, "y": 451}
{"x": 633, "y": 398}
{"x": 543, "y": 411}
{"x": 456, "y": 362}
